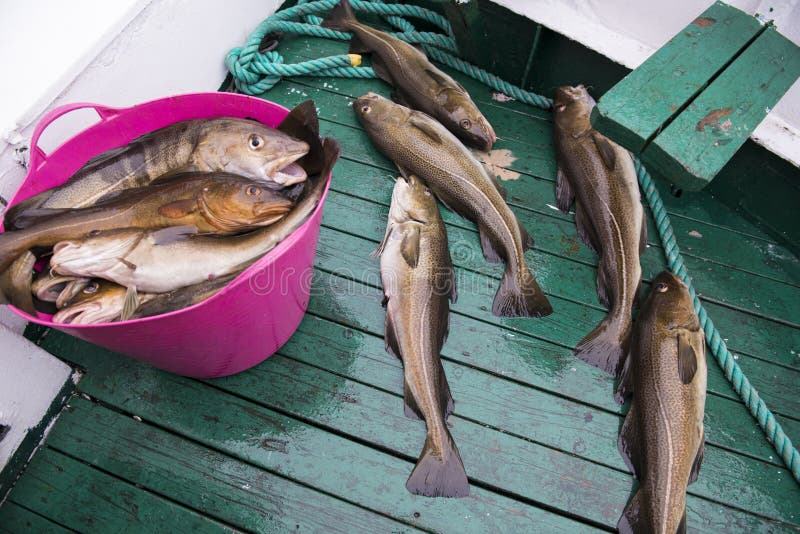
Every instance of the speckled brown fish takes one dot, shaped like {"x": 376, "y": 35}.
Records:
{"x": 210, "y": 202}
{"x": 418, "y": 279}
{"x": 599, "y": 176}
{"x": 158, "y": 261}
{"x": 419, "y": 145}
{"x": 238, "y": 146}
{"x": 662, "y": 438}
{"x": 418, "y": 83}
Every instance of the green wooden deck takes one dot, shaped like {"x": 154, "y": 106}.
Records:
{"x": 314, "y": 438}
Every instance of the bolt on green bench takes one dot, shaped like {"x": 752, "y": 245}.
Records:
{"x": 689, "y": 107}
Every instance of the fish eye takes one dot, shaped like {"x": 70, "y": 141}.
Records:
{"x": 91, "y": 288}
{"x": 255, "y": 141}
{"x": 94, "y": 233}
{"x": 252, "y": 191}
{"x": 466, "y": 124}
{"x": 365, "y": 109}
{"x": 427, "y": 191}
{"x": 661, "y": 287}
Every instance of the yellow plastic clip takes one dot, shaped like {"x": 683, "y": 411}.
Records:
{"x": 355, "y": 59}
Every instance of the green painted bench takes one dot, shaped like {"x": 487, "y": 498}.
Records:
{"x": 689, "y": 107}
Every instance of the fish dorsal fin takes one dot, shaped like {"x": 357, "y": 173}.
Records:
{"x": 643, "y": 235}
{"x": 165, "y": 236}
{"x": 381, "y": 70}
{"x": 178, "y": 208}
{"x": 130, "y": 304}
{"x": 437, "y": 76}
{"x": 586, "y": 231}
{"x": 108, "y": 155}
{"x": 390, "y": 337}
{"x": 606, "y": 150}
{"x": 687, "y": 359}
{"x": 564, "y": 195}
{"x": 634, "y": 520}
{"x": 409, "y": 247}
{"x": 445, "y": 396}
{"x": 425, "y": 127}
{"x": 625, "y": 387}
{"x": 698, "y": 459}
{"x": 628, "y": 441}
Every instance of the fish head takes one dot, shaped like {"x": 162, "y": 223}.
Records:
{"x": 669, "y": 302}
{"x": 466, "y": 120}
{"x": 238, "y": 203}
{"x": 378, "y": 114}
{"x": 251, "y": 149}
{"x": 100, "y": 301}
{"x": 49, "y": 287}
{"x": 412, "y": 200}
{"x": 572, "y": 106}
{"x": 97, "y": 253}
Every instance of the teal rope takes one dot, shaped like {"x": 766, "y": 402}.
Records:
{"x": 255, "y": 73}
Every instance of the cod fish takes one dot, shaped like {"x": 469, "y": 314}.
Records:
{"x": 418, "y": 279}
{"x": 599, "y": 176}
{"x": 101, "y": 301}
{"x": 238, "y": 146}
{"x": 210, "y": 202}
{"x": 421, "y": 146}
{"x": 417, "y": 82}
{"x": 60, "y": 290}
{"x": 16, "y": 282}
{"x": 159, "y": 261}
{"x": 662, "y": 438}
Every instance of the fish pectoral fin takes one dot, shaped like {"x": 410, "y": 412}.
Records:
{"x": 130, "y": 304}
{"x": 698, "y": 459}
{"x": 437, "y": 76}
{"x": 380, "y": 68}
{"x": 409, "y": 247}
{"x": 687, "y": 359}
{"x": 171, "y": 234}
{"x": 564, "y": 194}
{"x": 178, "y": 208}
{"x": 628, "y": 441}
{"x": 425, "y": 128}
{"x": 606, "y": 150}
{"x": 410, "y": 408}
{"x": 491, "y": 252}
{"x": 378, "y": 251}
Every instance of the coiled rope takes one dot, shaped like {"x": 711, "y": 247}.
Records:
{"x": 255, "y": 72}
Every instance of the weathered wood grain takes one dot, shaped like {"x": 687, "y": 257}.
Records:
{"x": 84, "y": 499}
{"x": 15, "y": 519}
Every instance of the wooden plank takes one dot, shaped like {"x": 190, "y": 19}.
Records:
{"x": 475, "y": 378}
{"x": 701, "y": 140}
{"x": 349, "y": 467}
{"x": 571, "y": 280}
{"x": 308, "y": 454}
{"x": 703, "y": 205}
{"x": 15, "y": 519}
{"x": 715, "y": 279}
{"x": 203, "y": 479}
{"x": 81, "y": 498}
{"x": 634, "y": 110}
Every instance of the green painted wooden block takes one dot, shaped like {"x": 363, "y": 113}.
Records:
{"x": 701, "y": 140}
{"x": 637, "y": 107}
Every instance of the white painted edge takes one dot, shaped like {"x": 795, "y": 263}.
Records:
{"x": 628, "y": 33}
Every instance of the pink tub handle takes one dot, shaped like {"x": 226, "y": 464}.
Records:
{"x": 37, "y": 155}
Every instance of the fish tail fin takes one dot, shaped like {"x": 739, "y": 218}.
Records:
{"x": 13, "y": 212}
{"x": 439, "y": 473}
{"x": 340, "y": 17}
{"x": 520, "y": 298}
{"x": 632, "y": 521}
{"x": 605, "y": 346}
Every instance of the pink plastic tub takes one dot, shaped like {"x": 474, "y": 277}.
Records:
{"x": 252, "y": 316}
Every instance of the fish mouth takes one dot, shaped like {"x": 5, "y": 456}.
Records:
{"x": 71, "y": 290}
{"x": 568, "y": 94}
{"x": 285, "y": 172}
{"x": 85, "y": 313}
{"x": 269, "y": 213}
